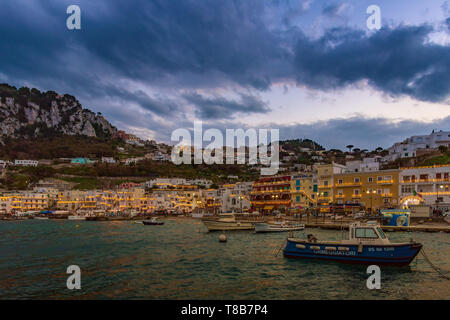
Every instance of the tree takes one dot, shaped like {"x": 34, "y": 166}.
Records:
{"x": 443, "y": 149}
{"x": 379, "y": 149}
{"x": 350, "y": 146}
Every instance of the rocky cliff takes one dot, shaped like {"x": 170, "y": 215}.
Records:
{"x": 26, "y": 113}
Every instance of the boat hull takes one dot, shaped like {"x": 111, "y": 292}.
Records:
{"x": 265, "y": 227}
{"x": 227, "y": 225}
{"x": 393, "y": 254}
{"x": 152, "y": 223}
{"x": 76, "y": 218}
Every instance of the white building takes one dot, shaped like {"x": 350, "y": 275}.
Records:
{"x": 366, "y": 165}
{"x": 410, "y": 147}
{"x": 427, "y": 185}
{"x": 108, "y": 160}
{"x": 129, "y": 161}
{"x": 236, "y": 197}
{"x": 26, "y": 163}
{"x": 172, "y": 182}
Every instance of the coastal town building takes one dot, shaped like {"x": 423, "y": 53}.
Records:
{"x": 372, "y": 190}
{"x": 81, "y": 161}
{"x": 236, "y": 197}
{"x": 425, "y": 185}
{"x": 271, "y": 193}
{"x": 26, "y": 163}
{"x": 414, "y": 145}
{"x": 365, "y": 165}
{"x": 23, "y": 201}
{"x": 325, "y": 181}
{"x": 108, "y": 160}
{"x": 303, "y": 191}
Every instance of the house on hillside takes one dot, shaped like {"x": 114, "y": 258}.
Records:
{"x": 26, "y": 163}
{"x": 81, "y": 161}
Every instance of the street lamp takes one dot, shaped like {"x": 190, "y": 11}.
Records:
{"x": 437, "y": 193}
{"x": 371, "y": 199}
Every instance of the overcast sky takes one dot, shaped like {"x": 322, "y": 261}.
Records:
{"x": 308, "y": 67}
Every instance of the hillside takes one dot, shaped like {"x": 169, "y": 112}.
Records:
{"x": 29, "y": 113}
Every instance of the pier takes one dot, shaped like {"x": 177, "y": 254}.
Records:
{"x": 414, "y": 228}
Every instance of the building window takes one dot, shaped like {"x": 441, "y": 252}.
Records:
{"x": 297, "y": 198}
{"x": 370, "y": 179}
{"x": 379, "y": 178}
{"x": 356, "y": 191}
{"x": 340, "y": 181}
{"x": 356, "y": 180}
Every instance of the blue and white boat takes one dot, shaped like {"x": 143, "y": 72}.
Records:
{"x": 367, "y": 244}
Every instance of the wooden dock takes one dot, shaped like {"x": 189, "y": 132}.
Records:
{"x": 414, "y": 228}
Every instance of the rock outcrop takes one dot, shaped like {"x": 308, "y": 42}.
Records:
{"x": 26, "y": 113}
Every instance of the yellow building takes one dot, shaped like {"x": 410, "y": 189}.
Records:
{"x": 373, "y": 190}
{"x": 303, "y": 191}
{"x": 22, "y": 202}
{"x": 325, "y": 180}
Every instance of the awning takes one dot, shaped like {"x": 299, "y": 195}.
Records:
{"x": 268, "y": 207}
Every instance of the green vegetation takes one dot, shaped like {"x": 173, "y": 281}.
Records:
{"x": 83, "y": 183}
{"x": 15, "y": 181}
{"x": 439, "y": 160}
{"x": 58, "y": 146}
{"x": 149, "y": 169}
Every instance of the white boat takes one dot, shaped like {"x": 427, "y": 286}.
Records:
{"x": 76, "y": 217}
{"x": 197, "y": 215}
{"x": 277, "y": 227}
{"x": 227, "y": 222}
{"x": 41, "y": 218}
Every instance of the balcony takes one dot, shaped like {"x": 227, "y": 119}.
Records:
{"x": 271, "y": 191}
{"x": 348, "y": 184}
{"x": 273, "y": 202}
{"x": 385, "y": 181}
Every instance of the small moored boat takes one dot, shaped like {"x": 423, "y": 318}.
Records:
{"x": 367, "y": 244}
{"x": 153, "y": 222}
{"x": 76, "y": 217}
{"x": 277, "y": 227}
{"x": 40, "y": 218}
{"x": 227, "y": 221}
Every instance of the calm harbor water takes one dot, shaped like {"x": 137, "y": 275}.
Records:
{"x": 180, "y": 260}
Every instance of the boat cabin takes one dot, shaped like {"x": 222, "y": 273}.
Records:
{"x": 366, "y": 233}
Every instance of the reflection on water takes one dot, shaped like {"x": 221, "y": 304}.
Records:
{"x": 180, "y": 260}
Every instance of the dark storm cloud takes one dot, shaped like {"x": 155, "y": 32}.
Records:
{"x": 334, "y": 9}
{"x": 395, "y": 61}
{"x": 222, "y": 108}
{"x": 371, "y": 132}
{"x": 178, "y": 46}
